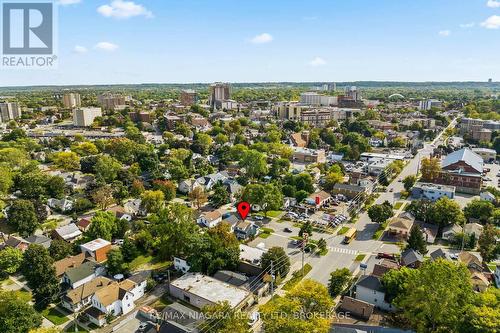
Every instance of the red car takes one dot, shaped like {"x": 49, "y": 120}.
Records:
{"x": 385, "y": 255}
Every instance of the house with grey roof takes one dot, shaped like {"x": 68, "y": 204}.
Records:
{"x": 369, "y": 289}
{"x": 40, "y": 240}
{"x": 84, "y": 273}
{"x": 68, "y": 233}
{"x": 411, "y": 258}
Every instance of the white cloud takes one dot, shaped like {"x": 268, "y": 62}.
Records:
{"x": 318, "y": 61}
{"x": 106, "y": 46}
{"x": 80, "y": 49}
{"x": 262, "y": 38}
{"x": 68, "y": 2}
{"x": 123, "y": 9}
{"x": 444, "y": 33}
{"x": 467, "y": 25}
{"x": 492, "y": 22}
{"x": 493, "y": 4}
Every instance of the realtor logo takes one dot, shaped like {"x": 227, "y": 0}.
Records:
{"x": 28, "y": 30}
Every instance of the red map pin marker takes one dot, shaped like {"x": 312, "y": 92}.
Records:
{"x": 243, "y": 209}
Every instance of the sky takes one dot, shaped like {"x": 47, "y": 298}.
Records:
{"x": 187, "y": 41}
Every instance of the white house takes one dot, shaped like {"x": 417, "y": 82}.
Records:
{"x": 181, "y": 265}
{"x": 432, "y": 192}
{"x": 209, "y": 219}
{"x": 185, "y": 186}
{"x": 62, "y": 205}
{"x": 369, "y": 289}
{"x": 133, "y": 207}
{"x": 487, "y": 196}
{"x": 112, "y": 299}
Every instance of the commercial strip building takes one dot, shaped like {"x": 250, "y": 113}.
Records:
{"x": 200, "y": 290}
{"x": 432, "y": 192}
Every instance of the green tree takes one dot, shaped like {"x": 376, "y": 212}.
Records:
{"x": 430, "y": 168}
{"x": 409, "y": 181}
{"x": 222, "y": 318}
{"x": 340, "y": 279}
{"x": 66, "y": 160}
{"x": 6, "y": 180}
{"x": 85, "y": 148}
{"x": 152, "y": 201}
{"x": 306, "y": 227}
{"x": 60, "y": 249}
{"x": 22, "y": 216}
{"x": 103, "y": 225}
{"x": 220, "y": 196}
{"x": 31, "y": 184}
{"x": 380, "y": 213}
{"x": 305, "y": 308}
{"x": 40, "y": 273}
{"x": 487, "y": 242}
{"x": 445, "y": 212}
{"x": 10, "y": 261}
{"x": 395, "y": 282}
{"x": 322, "y": 244}
{"x": 281, "y": 261}
{"x": 436, "y": 297}
{"x": 103, "y": 196}
{"x": 483, "y": 316}
{"x": 116, "y": 263}
{"x": 479, "y": 209}
{"x": 416, "y": 240}
{"x": 167, "y": 187}
{"x": 107, "y": 168}
{"x": 16, "y": 314}
{"x": 254, "y": 162}
{"x": 56, "y": 187}
{"x": 129, "y": 250}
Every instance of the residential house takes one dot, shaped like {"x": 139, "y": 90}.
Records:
{"x": 485, "y": 195}
{"x": 134, "y": 207}
{"x": 200, "y": 290}
{"x": 120, "y": 213}
{"x": 384, "y": 266}
{"x": 17, "y": 243}
{"x": 209, "y": 219}
{"x": 67, "y": 263}
{"x": 473, "y": 228}
{"x": 84, "y": 223}
{"x": 411, "y": 258}
{"x": 233, "y": 188}
{"x": 77, "y": 299}
{"x": 185, "y": 186}
{"x": 231, "y": 219}
{"x": 208, "y": 181}
{"x": 449, "y": 232}
{"x": 440, "y": 254}
{"x": 479, "y": 281}
{"x": 39, "y": 240}
{"x": 62, "y": 205}
{"x": 401, "y": 225}
{"x": 84, "y": 273}
{"x": 309, "y": 156}
{"x": 115, "y": 299}
{"x": 497, "y": 276}
{"x": 181, "y": 265}
{"x": 97, "y": 249}
{"x": 429, "y": 231}
{"x": 356, "y": 307}
{"x": 245, "y": 230}
{"x": 370, "y": 290}
{"x": 68, "y": 233}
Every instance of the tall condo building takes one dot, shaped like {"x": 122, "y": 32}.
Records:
{"x": 9, "y": 111}
{"x": 218, "y": 92}
{"x": 111, "y": 101}
{"x": 188, "y": 97}
{"x": 84, "y": 117}
{"x": 71, "y": 100}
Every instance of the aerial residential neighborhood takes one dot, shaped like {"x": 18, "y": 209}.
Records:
{"x": 264, "y": 192}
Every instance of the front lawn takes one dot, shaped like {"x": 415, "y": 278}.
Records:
{"x": 55, "y": 316}
{"x": 265, "y": 232}
{"x": 72, "y": 329}
{"x": 297, "y": 277}
{"x": 144, "y": 262}
{"x": 271, "y": 213}
{"x": 398, "y": 205}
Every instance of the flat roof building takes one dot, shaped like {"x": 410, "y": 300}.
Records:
{"x": 200, "y": 290}
{"x": 84, "y": 117}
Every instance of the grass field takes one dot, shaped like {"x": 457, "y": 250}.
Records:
{"x": 398, "y": 205}
{"x": 72, "y": 329}
{"x": 143, "y": 262}
{"x": 297, "y": 277}
{"x": 56, "y": 317}
{"x": 271, "y": 213}
{"x": 265, "y": 232}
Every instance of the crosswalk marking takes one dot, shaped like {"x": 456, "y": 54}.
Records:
{"x": 343, "y": 250}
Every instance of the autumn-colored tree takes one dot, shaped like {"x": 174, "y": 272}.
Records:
{"x": 430, "y": 168}
{"x": 198, "y": 196}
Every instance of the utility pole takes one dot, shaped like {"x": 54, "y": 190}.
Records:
{"x": 272, "y": 278}
{"x": 305, "y": 237}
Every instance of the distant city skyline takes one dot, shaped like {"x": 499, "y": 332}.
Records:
{"x": 194, "y": 41}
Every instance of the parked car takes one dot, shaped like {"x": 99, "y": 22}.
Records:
{"x": 287, "y": 230}
{"x": 385, "y": 255}
{"x": 258, "y": 217}
{"x": 142, "y": 326}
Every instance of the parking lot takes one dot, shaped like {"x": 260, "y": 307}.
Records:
{"x": 491, "y": 178}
